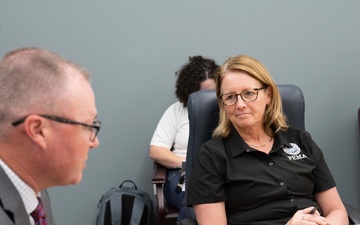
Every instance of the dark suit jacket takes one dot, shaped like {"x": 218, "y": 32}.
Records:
{"x": 12, "y": 209}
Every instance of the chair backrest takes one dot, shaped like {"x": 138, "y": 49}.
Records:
{"x": 359, "y": 117}
{"x": 204, "y": 112}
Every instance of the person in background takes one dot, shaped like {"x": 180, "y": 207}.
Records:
{"x": 168, "y": 145}
{"x": 256, "y": 169}
{"x": 47, "y": 125}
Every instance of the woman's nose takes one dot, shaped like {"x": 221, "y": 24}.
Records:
{"x": 240, "y": 102}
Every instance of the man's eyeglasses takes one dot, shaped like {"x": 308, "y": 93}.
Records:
{"x": 95, "y": 127}
{"x": 247, "y": 96}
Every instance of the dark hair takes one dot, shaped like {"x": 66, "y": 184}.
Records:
{"x": 192, "y": 74}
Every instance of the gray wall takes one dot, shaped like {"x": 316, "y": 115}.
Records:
{"x": 133, "y": 48}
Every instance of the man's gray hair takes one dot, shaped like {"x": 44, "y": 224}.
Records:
{"x": 31, "y": 81}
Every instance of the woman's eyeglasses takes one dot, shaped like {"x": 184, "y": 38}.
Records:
{"x": 247, "y": 96}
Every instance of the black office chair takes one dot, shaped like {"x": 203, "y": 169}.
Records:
{"x": 203, "y": 117}
{"x": 359, "y": 117}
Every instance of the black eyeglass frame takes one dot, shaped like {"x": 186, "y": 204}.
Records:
{"x": 236, "y": 99}
{"x": 95, "y": 126}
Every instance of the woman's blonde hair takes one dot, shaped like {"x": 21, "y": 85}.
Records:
{"x": 274, "y": 119}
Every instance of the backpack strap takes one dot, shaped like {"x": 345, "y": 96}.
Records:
{"x": 138, "y": 209}
{"x": 115, "y": 209}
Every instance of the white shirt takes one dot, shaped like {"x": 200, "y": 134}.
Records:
{"x": 172, "y": 130}
{"x": 27, "y": 194}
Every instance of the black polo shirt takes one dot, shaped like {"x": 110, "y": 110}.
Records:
{"x": 260, "y": 188}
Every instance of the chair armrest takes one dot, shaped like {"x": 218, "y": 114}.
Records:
{"x": 159, "y": 174}
{"x": 158, "y": 180}
{"x": 354, "y": 215}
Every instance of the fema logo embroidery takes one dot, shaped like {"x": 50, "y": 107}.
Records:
{"x": 293, "y": 150}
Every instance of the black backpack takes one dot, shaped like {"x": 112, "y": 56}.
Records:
{"x": 124, "y": 206}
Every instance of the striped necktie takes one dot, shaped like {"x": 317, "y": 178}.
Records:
{"x": 39, "y": 214}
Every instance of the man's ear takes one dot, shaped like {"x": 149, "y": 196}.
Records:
{"x": 35, "y": 127}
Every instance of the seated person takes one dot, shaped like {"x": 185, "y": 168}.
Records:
{"x": 169, "y": 143}
{"x": 48, "y": 124}
{"x": 246, "y": 174}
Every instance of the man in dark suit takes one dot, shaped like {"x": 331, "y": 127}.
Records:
{"x": 47, "y": 125}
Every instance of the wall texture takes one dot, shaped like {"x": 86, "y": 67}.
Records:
{"x": 133, "y": 48}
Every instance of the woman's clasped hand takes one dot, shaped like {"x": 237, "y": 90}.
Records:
{"x": 305, "y": 216}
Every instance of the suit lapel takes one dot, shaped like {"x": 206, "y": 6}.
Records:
{"x": 11, "y": 202}
{"x": 46, "y": 201}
